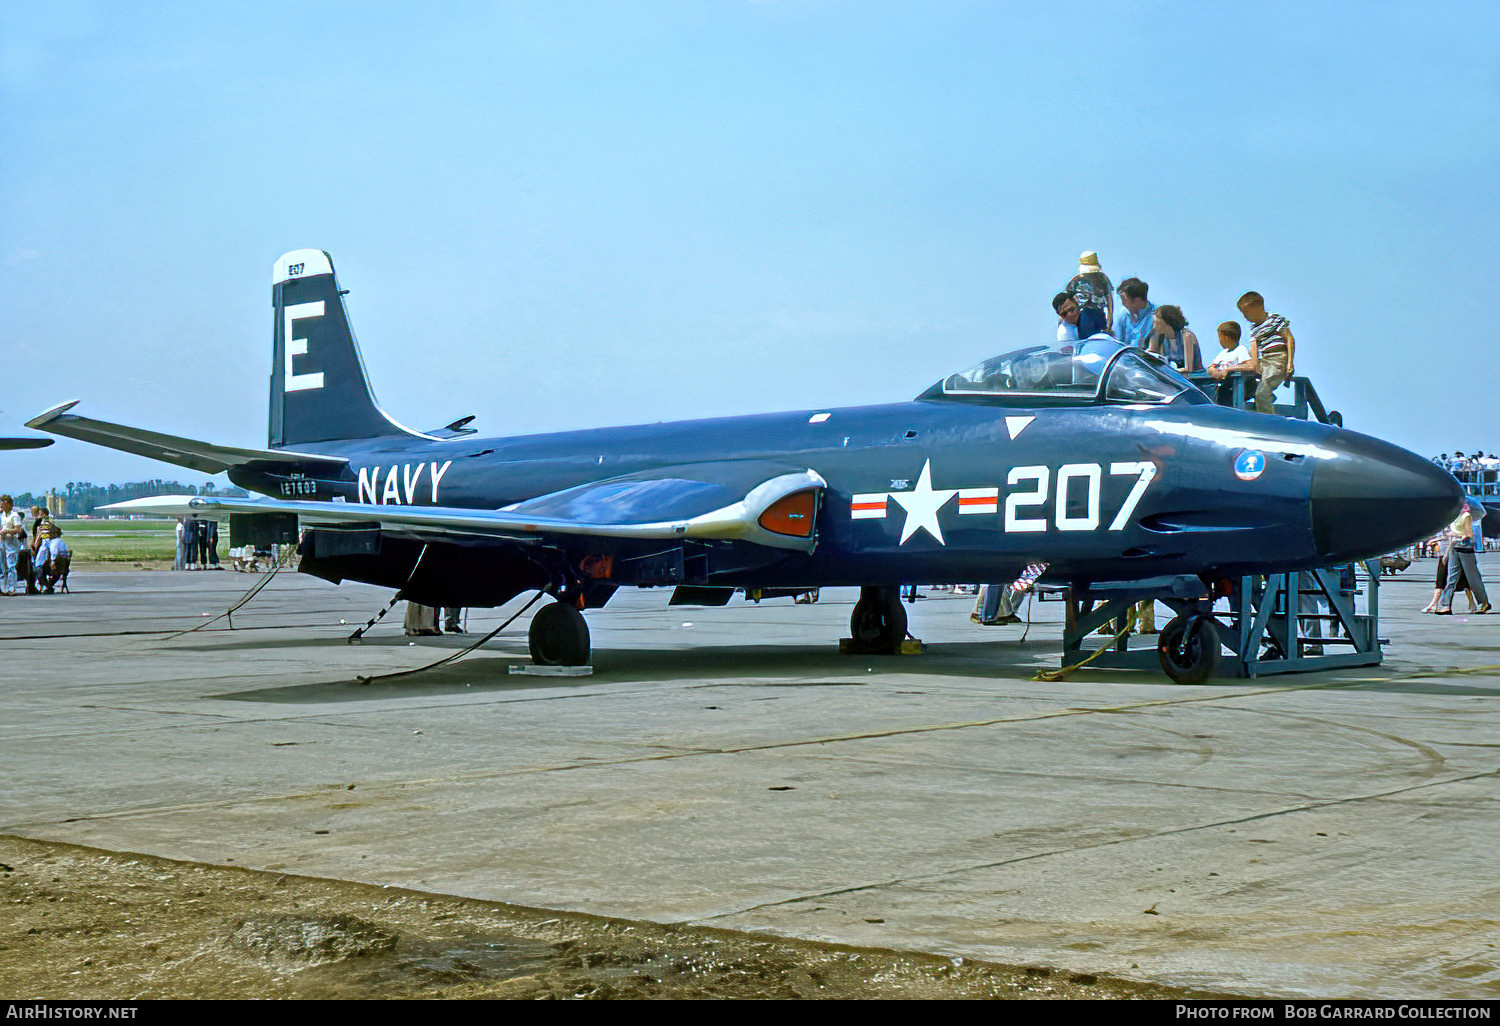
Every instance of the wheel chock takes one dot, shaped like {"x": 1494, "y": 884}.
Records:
{"x": 909, "y": 646}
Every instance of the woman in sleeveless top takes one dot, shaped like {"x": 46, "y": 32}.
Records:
{"x": 1173, "y": 342}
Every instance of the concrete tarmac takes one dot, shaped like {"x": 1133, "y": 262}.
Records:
{"x": 1329, "y": 834}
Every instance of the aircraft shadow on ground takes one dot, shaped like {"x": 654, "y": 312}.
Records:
{"x": 479, "y": 675}
{"x": 793, "y": 663}
{"x": 750, "y": 666}
{"x": 488, "y": 671}
{"x": 439, "y": 647}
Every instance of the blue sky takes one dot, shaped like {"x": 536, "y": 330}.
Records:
{"x": 560, "y": 215}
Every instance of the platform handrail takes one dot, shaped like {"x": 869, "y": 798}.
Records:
{"x": 1237, "y": 390}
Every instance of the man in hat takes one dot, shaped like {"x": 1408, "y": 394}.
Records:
{"x": 1095, "y": 296}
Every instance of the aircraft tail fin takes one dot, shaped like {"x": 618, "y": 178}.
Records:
{"x": 319, "y": 390}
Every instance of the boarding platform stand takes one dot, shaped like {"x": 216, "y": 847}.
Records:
{"x": 1320, "y": 618}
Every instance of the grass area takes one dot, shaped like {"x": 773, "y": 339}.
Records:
{"x": 126, "y": 541}
{"x": 118, "y": 526}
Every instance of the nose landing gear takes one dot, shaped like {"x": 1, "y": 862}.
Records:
{"x": 1189, "y": 648}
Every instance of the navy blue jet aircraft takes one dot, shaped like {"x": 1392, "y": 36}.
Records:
{"x": 1093, "y": 457}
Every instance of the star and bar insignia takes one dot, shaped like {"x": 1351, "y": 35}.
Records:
{"x": 922, "y": 503}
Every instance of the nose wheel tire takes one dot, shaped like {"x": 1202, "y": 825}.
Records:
{"x": 558, "y": 636}
{"x": 879, "y": 620}
{"x": 1189, "y": 648}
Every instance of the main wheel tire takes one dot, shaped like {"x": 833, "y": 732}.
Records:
{"x": 558, "y": 636}
{"x": 1189, "y": 648}
{"x": 879, "y": 619}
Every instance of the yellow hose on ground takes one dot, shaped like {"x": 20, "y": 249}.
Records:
{"x": 1063, "y": 672}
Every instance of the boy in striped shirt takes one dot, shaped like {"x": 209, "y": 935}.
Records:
{"x": 1272, "y": 347}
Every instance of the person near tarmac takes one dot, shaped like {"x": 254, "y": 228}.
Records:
{"x": 421, "y": 621}
{"x": 1461, "y": 555}
{"x": 997, "y": 603}
{"x": 52, "y": 559}
{"x": 1440, "y": 579}
{"x": 39, "y": 517}
{"x": 200, "y": 544}
{"x": 190, "y": 540}
{"x": 40, "y": 522}
{"x": 12, "y": 541}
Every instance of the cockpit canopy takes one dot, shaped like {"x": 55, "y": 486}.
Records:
{"x": 1074, "y": 373}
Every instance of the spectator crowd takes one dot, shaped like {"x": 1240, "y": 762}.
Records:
{"x": 198, "y": 549}
{"x": 197, "y": 545}
{"x": 1090, "y": 306}
{"x": 1478, "y": 473}
{"x": 34, "y": 559}
{"x": 1086, "y": 308}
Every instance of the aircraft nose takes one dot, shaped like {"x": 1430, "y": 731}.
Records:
{"x": 1374, "y": 497}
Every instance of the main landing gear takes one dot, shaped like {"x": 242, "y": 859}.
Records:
{"x": 1189, "y": 648}
{"x": 558, "y": 636}
{"x": 878, "y": 625}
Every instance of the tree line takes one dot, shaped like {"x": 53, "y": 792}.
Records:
{"x": 82, "y": 498}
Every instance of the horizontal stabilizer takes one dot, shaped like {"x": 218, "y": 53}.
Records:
{"x": 183, "y": 452}
{"x": 24, "y": 443}
{"x": 457, "y": 429}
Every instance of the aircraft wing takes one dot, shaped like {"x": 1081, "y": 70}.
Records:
{"x": 184, "y": 452}
{"x": 751, "y": 500}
